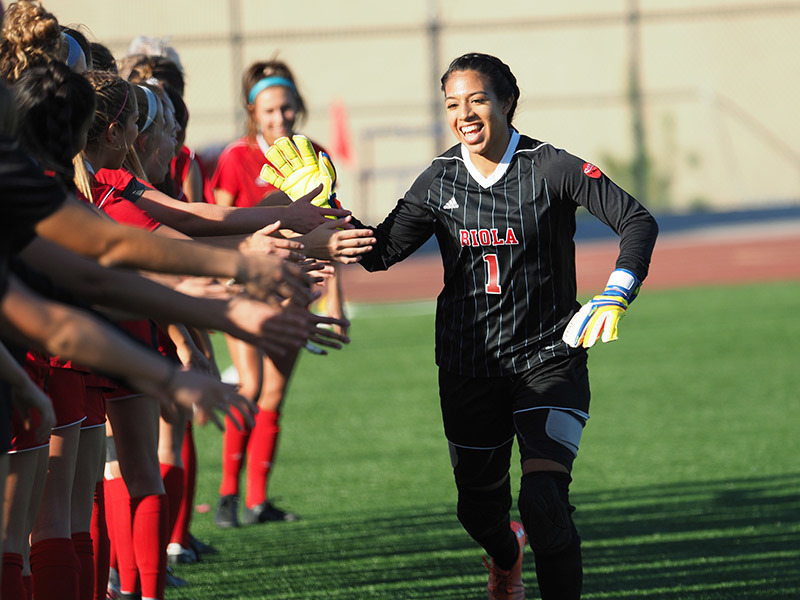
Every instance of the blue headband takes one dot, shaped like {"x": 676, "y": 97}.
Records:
{"x": 263, "y": 84}
{"x": 152, "y": 107}
{"x": 75, "y": 51}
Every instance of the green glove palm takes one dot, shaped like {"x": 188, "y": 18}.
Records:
{"x": 295, "y": 168}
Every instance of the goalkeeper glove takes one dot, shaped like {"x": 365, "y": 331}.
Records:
{"x": 295, "y": 168}
{"x": 600, "y": 317}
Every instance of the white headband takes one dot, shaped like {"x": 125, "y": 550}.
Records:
{"x": 152, "y": 107}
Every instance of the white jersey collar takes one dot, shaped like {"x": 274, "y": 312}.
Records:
{"x": 489, "y": 181}
{"x": 262, "y": 143}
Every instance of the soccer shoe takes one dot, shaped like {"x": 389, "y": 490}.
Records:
{"x": 507, "y": 585}
{"x": 265, "y": 512}
{"x": 200, "y": 547}
{"x": 173, "y": 580}
{"x": 178, "y": 555}
{"x": 227, "y": 510}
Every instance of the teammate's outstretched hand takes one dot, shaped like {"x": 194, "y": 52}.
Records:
{"x": 599, "y": 318}
{"x": 208, "y": 396}
{"x": 330, "y": 241}
{"x": 27, "y": 396}
{"x": 272, "y": 279}
{"x": 302, "y": 215}
{"x": 321, "y": 330}
{"x": 266, "y": 242}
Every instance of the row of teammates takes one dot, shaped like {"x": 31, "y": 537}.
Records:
{"x": 104, "y": 369}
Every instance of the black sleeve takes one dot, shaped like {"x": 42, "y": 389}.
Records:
{"x": 134, "y": 190}
{"x": 586, "y": 185}
{"x": 27, "y": 196}
{"x": 403, "y": 231}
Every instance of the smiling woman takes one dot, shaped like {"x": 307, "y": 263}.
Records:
{"x": 502, "y": 206}
{"x": 478, "y": 117}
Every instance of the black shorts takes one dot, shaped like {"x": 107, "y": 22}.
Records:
{"x": 545, "y": 408}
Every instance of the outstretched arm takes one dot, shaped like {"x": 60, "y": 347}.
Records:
{"x": 255, "y": 322}
{"x": 78, "y": 228}
{"x": 72, "y": 334}
{"x": 202, "y": 219}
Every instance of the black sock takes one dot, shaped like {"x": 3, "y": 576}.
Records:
{"x": 560, "y": 575}
{"x": 502, "y": 546}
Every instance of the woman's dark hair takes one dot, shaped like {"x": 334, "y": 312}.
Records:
{"x": 138, "y": 68}
{"x": 102, "y": 59}
{"x": 113, "y": 103}
{"x": 497, "y": 74}
{"x": 54, "y": 103}
{"x": 181, "y": 110}
{"x": 262, "y": 70}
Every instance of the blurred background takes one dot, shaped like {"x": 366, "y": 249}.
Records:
{"x": 689, "y": 104}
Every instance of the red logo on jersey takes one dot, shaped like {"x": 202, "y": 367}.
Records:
{"x": 592, "y": 171}
{"x": 486, "y": 237}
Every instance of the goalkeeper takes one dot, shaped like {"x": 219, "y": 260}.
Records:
{"x": 511, "y": 339}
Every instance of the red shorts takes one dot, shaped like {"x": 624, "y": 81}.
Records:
{"x": 24, "y": 439}
{"x": 96, "y": 388}
{"x": 68, "y": 393}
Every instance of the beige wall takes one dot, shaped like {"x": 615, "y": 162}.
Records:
{"x": 719, "y": 80}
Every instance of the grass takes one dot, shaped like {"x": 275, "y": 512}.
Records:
{"x": 687, "y": 483}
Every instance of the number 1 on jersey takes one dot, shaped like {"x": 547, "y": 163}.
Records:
{"x": 492, "y": 274}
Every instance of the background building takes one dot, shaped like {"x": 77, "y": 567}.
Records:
{"x": 689, "y": 104}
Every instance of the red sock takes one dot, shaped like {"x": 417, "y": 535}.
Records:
{"x": 150, "y": 543}
{"x": 55, "y": 569}
{"x": 180, "y": 532}
{"x": 82, "y": 542}
{"x": 260, "y": 454}
{"x": 121, "y": 528}
{"x": 28, "y": 581}
{"x": 100, "y": 543}
{"x": 12, "y": 586}
{"x": 234, "y": 444}
{"x": 109, "y": 510}
{"x": 173, "y": 485}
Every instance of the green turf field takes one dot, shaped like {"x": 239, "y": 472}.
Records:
{"x": 687, "y": 483}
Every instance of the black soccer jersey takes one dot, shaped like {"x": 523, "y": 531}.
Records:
{"x": 27, "y": 196}
{"x": 507, "y": 246}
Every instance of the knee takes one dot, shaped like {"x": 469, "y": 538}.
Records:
{"x": 482, "y": 510}
{"x": 546, "y": 512}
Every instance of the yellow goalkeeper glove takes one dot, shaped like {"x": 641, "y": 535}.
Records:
{"x": 295, "y": 168}
{"x": 600, "y": 317}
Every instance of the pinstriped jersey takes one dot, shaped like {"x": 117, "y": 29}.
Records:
{"x": 508, "y": 252}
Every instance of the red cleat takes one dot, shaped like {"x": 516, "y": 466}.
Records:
{"x": 507, "y": 585}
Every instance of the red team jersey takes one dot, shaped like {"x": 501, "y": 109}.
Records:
{"x": 115, "y": 192}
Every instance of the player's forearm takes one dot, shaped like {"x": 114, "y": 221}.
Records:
{"x": 202, "y": 219}
{"x": 124, "y": 290}
{"x": 72, "y": 334}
